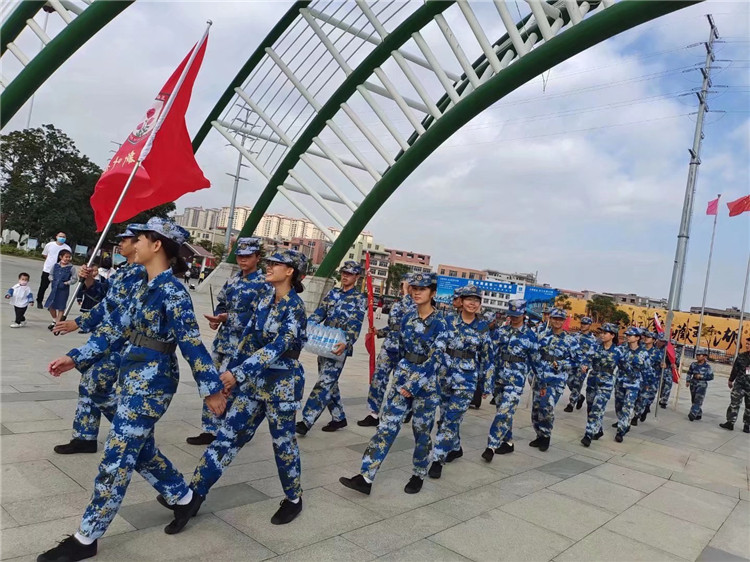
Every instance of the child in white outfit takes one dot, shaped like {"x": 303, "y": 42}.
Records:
{"x": 20, "y": 296}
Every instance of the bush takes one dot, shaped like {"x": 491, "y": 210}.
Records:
{"x": 11, "y": 250}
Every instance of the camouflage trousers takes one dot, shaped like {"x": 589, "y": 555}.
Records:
{"x": 130, "y": 446}
{"x": 575, "y": 384}
{"x": 454, "y": 402}
{"x": 209, "y": 421}
{"x": 646, "y": 395}
{"x": 391, "y": 418}
{"x": 384, "y": 366}
{"x": 666, "y": 386}
{"x": 506, "y": 401}
{"x": 697, "y": 395}
{"x": 87, "y": 416}
{"x": 601, "y": 391}
{"x": 545, "y": 397}
{"x": 325, "y": 393}
{"x": 740, "y": 392}
{"x": 238, "y": 428}
{"x": 626, "y": 393}
{"x": 97, "y": 388}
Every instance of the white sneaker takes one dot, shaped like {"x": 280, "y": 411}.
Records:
{"x": 23, "y": 323}
{"x": 14, "y": 325}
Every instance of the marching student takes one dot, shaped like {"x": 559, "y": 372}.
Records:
{"x": 699, "y": 375}
{"x": 606, "y": 358}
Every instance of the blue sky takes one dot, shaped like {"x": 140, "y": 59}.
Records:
{"x": 581, "y": 179}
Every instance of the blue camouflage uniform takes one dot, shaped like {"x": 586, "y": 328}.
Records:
{"x": 629, "y": 376}
{"x": 237, "y": 299}
{"x": 697, "y": 379}
{"x": 549, "y": 383}
{"x": 666, "y": 375}
{"x": 158, "y": 319}
{"x": 469, "y": 358}
{"x": 601, "y": 381}
{"x": 270, "y": 384}
{"x": 422, "y": 344}
{"x": 517, "y": 357}
{"x": 388, "y": 354}
{"x": 650, "y": 382}
{"x": 344, "y": 310}
{"x": 586, "y": 342}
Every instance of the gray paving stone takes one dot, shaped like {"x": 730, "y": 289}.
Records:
{"x": 718, "y": 487}
{"x": 400, "y": 444}
{"x": 15, "y": 412}
{"x": 47, "y": 508}
{"x": 559, "y": 513}
{"x": 606, "y": 545}
{"x": 391, "y": 534}
{"x": 335, "y": 549}
{"x": 705, "y": 508}
{"x": 711, "y": 554}
{"x": 677, "y": 536}
{"x": 324, "y": 515}
{"x": 471, "y": 503}
{"x": 566, "y": 468}
{"x": 38, "y": 396}
{"x": 6, "y": 520}
{"x": 640, "y": 466}
{"x": 37, "y": 426}
{"x": 596, "y": 491}
{"x": 4, "y": 430}
{"x": 461, "y": 476}
{"x": 311, "y": 478}
{"x": 514, "y": 463}
{"x": 527, "y": 482}
{"x": 496, "y": 535}
{"x": 658, "y": 433}
{"x": 33, "y": 479}
{"x": 734, "y": 534}
{"x": 423, "y": 551}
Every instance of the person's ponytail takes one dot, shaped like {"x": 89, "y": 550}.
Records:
{"x": 297, "y": 281}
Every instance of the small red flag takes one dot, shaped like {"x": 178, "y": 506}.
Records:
{"x": 739, "y": 206}
{"x": 370, "y": 337}
{"x": 713, "y": 207}
{"x": 168, "y": 170}
{"x": 671, "y": 353}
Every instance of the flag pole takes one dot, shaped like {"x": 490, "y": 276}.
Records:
{"x": 708, "y": 273}
{"x": 742, "y": 310}
{"x": 141, "y": 158}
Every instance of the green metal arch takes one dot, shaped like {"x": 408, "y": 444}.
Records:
{"x": 16, "y": 21}
{"x": 589, "y": 32}
{"x": 55, "y": 53}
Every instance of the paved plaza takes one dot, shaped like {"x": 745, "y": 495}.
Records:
{"x": 674, "y": 490}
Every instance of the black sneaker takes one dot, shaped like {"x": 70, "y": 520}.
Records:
{"x": 287, "y": 511}
{"x": 493, "y": 402}
{"x": 699, "y": 417}
{"x": 544, "y": 443}
{"x": 334, "y": 425}
{"x": 407, "y": 419}
{"x": 76, "y": 446}
{"x": 436, "y": 470}
{"x": 662, "y": 406}
{"x": 614, "y": 424}
{"x": 579, "y": 403}
{"x": 202, "y": 439}
{"x": 619, "y": 437}
{"x": 568, "y": 408}
{"x": 68, "y": 549}
{"x": 644, "y": 415}
{"x": 40, "y": 307}
{"x": 598, "y": 435}
{"x": 161, "y": 500}
{"x": 505, "y": 448}
{"x": 536, "y": 442}
{"x": 301, "y": 428}
{"x": 746, "y": 428}
{"x": 634, "y": 421}
{"x": 369, "y": 421}
{"x": 183, "y": 514}
{"x": 357, "y": 483}
{"x": 691, "y": 416}
{"x": 488, "y": 454}
{"x": 728, "y": 425}
{"x": 453, "y": 455}
{"x": 586, "y": 441}
{"x": 414, "y": 485}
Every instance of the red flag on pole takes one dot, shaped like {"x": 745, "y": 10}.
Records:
{"x": 168, "y": 168}
{"x": 370, "y": 337}
{"x": 739, "y": 206}
{"x": 671, "y": 353}
{"x": 713, "y": 207}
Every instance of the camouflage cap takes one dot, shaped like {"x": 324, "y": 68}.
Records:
{"x": 586, "y": 321}
{"x": 558, "y": 313}
{"x": 633, "y": 331}
{"x": 131, "y": 231}
{"x": 247, "y": 246}
{"x": 647, "y": 334}
{"x": 467, "y": 291}
{"x": 517, "y": 307}
{"x": 164, "y": 227}
{"x": 661, "y": 337}
{"x": 352, "y": 267}
{"x": 292, "y": 258}
{"x": 701, "y": 351}
{"x": 610, "y": 328}
{"x": 405, "y": 277}
{"x": 423, "y": 279}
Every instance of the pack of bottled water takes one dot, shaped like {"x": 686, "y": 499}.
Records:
{"x": 321, "y": 340}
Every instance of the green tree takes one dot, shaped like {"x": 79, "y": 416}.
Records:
{"x": 603, "y": 309}
{"x": 562, "y": 301}
{"x": 218, "y": 250}
{"x": 395, "y": 272}
{"x": 205, "y": 244}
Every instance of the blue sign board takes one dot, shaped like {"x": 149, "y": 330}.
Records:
{"x": 539, "y": 294}
{"x": 446, "y": 286}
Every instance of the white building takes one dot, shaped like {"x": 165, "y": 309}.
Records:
{"x": 499, "y": 301}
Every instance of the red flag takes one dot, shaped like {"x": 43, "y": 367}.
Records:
{"x": 671, "y": 353}
{"x": 739, "y": 206}
{"x": 168, "y": 170}
{"x": 370, "y": 337}
{"x": 713, "y": 207}
{"x": 566, "y": 324}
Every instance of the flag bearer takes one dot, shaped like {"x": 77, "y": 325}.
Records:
{"x": 235, "y": 306}
{"x": 698, "y": 376}
{"x": 342, "y": 308}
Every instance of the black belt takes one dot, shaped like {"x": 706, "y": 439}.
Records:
{"x": 547, "y": 356}
{"x": 415, "y": 358}
{"x": 510, "y": 358}
{"x": 460, "y": 354}
{"x": 291, "y": 354}
{"x": 140, "y": 340}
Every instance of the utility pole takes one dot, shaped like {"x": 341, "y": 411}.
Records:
{"x": 678, "y": 271}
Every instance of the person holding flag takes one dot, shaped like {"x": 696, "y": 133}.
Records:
{"x": 388, "y": 355}
{"x": 342, "y": 308}
{"x": 656, "y": 352}
{"x": 670, "y": 371}
{"x": 235, "y": 306}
